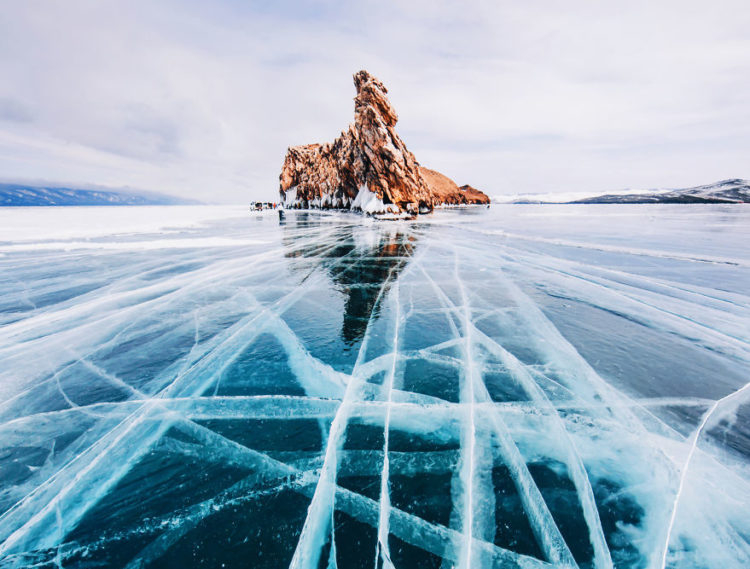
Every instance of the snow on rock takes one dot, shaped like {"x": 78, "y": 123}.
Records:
{"x": 289, "y": 198}
{"x": 369, "y": 202}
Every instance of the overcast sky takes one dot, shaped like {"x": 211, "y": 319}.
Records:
{"x": 201, "y": 99}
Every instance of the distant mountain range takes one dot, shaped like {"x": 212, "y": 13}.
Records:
{"x": 24, "y": 195}
{"x": 726, "y": 191}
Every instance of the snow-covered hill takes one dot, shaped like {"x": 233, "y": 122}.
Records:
{"x": 726, "y": 191}
{"x": 23, "y": 195}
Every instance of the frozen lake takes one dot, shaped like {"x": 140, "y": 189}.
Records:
{"x": 522, "y": 386}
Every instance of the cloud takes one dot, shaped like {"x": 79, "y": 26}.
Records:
{"x": 14, "y": 111}
{"x": 202, "y": 99}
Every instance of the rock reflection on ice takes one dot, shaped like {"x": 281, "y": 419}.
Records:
{"x": 527, "y": 386}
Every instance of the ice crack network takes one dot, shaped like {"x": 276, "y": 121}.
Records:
{"x": 328, "y": 392}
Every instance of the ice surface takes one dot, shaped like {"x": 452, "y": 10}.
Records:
{"x": 524, "y": 386}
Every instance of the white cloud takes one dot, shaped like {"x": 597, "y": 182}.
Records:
{"x": 202, "y": 99}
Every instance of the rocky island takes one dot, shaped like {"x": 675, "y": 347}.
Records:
{"x": 368, "y": 168}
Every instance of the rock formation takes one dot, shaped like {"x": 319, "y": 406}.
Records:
{"x": 368, "y": 168}
{"x": 445, "y": 191}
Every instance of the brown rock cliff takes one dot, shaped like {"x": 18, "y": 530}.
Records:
{"x": 368, "y": 168}
{"x": 445, "y": 191}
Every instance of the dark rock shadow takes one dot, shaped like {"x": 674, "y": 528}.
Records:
{"x": 362, "y": 261}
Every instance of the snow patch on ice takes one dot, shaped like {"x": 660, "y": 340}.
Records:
{"x": 33, "y": 224}
{"x": 191, "y": 243}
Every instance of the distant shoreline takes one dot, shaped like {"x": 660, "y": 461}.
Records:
{"x": 735, "y": 190}
{"x": 20, "y": 195}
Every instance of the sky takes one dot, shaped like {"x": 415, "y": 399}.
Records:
{"x": 201, "y": 99}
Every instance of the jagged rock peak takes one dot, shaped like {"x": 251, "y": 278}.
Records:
{"x": 371, "y": 93}
{"x": 368, "y": 168}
